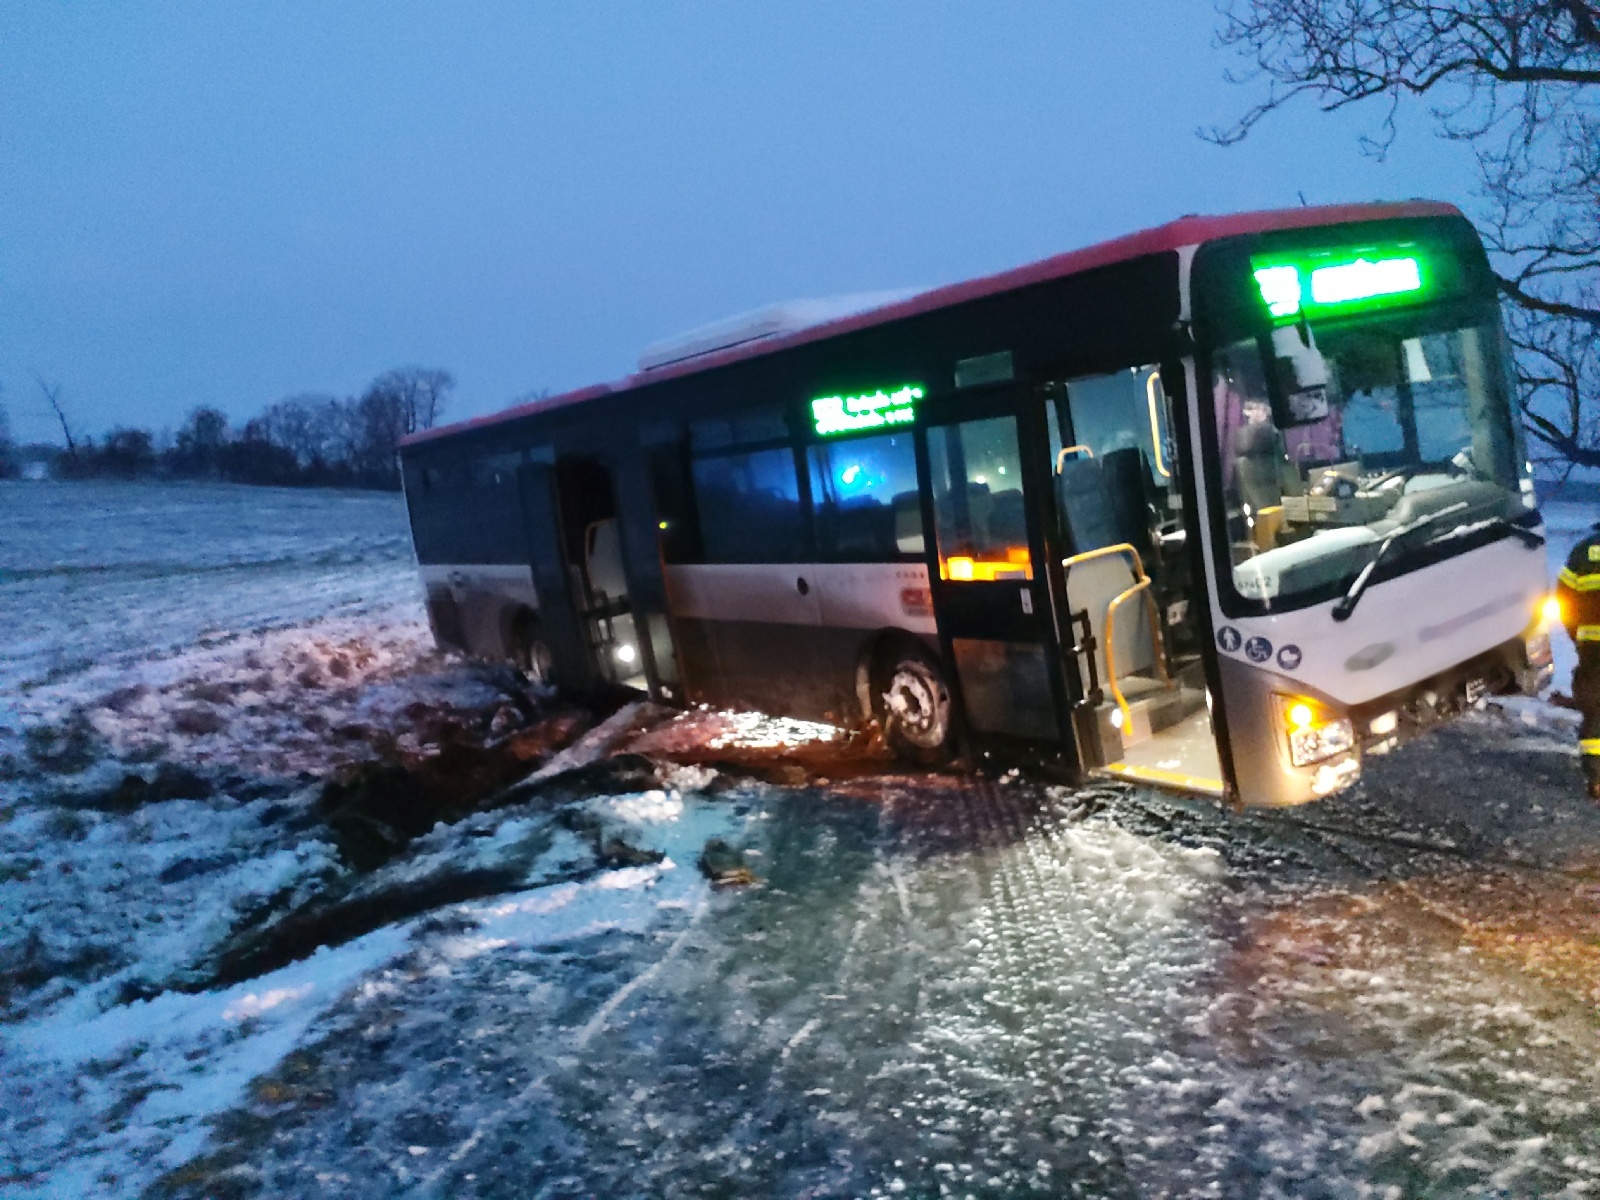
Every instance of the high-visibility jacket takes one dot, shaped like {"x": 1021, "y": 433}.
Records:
{"x": 1578, "y": 590}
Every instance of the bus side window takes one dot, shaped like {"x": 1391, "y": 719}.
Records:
{"x": 864, "y": 496}
{"x": 749, "y": 507}
{"x": 977, "y": 499}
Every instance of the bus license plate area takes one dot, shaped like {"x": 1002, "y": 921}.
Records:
{"x": 1385, "y": 726}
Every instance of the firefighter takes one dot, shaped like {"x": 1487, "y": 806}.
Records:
{"x": 1578, "y": 592}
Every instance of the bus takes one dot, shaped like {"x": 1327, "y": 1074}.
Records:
{"x": 1225, "y": 506}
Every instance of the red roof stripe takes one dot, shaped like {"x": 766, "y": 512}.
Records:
{"x": 1185, "y": 231}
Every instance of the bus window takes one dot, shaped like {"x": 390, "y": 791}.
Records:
{"x": 1122, "y": 411}
{"x": 750, "y": 507}
{"x": 864, "y": 494}
{"x": 977, "y": 499}
{"x": 1417, "y": 423}
{"x": 743, "y": 428}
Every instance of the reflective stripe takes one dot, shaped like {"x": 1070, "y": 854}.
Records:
{"x": 1594, "y": 552}
{"x": 1587, "y": 633}
{"x": 1580, "y": 583}
{"x": 1589, "y": 746}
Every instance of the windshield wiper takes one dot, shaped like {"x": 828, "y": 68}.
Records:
{"x": 1347, "y": 603}
{"x": 1530, "y": 539}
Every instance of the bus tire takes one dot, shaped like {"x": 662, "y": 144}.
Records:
{"x": 912, "y": 698}
{"x": 530, "y": 651}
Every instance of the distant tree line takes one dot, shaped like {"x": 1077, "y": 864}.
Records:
{"x": 308, "y": 440}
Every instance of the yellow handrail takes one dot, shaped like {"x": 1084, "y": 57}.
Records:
{"x": 1150, "y": 386}
{"x": 1111, "y": 647}
{"x": 1061, "y": 458}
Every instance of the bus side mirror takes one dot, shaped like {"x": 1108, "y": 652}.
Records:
{"x": 1301, "y": 375}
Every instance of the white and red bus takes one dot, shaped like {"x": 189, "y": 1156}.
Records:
{"x": 1225, "y": 506}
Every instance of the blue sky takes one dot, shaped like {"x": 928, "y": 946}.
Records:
{"x": 227, "y": 204}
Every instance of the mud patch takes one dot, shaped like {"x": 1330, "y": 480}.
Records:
{"x": 427, "y": 861}
{"x": 302, "y": 933}
{"x": 774, "y": 750}
{"x": 374, "y": 810}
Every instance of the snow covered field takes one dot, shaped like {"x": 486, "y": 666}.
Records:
{"x": 225, "y": 741}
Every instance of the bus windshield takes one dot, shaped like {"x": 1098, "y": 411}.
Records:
{"x": 1336, "y": 436}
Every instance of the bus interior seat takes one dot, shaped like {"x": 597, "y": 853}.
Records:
{"x": 974, "y": 531}
{"x": 1094, "y": 521}
{"x": 1091, "y": 587}
{"x": 1084, "y": 505}
{"x": 1008, "y": 519}
{"x": 1127, "y": 484}
{"x": 1104, "y": 502}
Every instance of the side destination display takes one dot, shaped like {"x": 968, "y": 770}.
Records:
{"x": 870, "y": 410}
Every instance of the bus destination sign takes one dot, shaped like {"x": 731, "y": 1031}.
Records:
{"x": 1318, "y": 285}
{"x": 834, "y": 415}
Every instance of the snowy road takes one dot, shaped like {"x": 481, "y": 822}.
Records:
{"x": 947, "y": 986}
{"x": 936, "y": 985}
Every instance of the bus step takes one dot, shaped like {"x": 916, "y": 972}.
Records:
{"x": 1151, "y": 710}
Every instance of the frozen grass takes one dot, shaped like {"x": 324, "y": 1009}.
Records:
{"x": 105, "y": 1102}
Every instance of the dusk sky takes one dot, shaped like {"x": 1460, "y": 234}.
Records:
{"x": 228, "y": 204}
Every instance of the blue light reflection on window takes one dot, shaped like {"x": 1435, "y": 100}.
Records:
{"x": 864, "y": 494}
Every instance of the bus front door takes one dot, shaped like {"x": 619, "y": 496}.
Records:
{"x": 1127, "y": 587}
{"x": 991, "y": 600}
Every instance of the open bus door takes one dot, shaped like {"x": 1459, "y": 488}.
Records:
{"x": 555, "y": 649}
{"x": 586, "y": 627}
{"x": 1129, "y": 593}
{"x": 991, "y": 599}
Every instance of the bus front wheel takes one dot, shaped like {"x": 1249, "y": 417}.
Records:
{"x": 913, "y": 702}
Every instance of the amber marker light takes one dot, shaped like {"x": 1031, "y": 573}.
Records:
{"x": 1315, "y": 734}
{"x": 1550, "y": 610}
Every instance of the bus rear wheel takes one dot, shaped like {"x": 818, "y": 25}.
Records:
{"x": 913, "y": 702}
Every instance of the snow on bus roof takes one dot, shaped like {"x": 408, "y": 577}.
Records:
{"x": 1185, "y": 231}
{"x": 772, "y": 320}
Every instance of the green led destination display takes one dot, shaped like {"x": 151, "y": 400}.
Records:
{"x": 1316, "y": 285}
{"x": 870, "y": 410}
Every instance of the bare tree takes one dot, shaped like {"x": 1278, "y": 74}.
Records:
{"x": 337, "y": 431}
{"x": 198, "y": 449}
{"x": 52, "y": 395}
{"x": 395, "y": 404}
{"x": 292, "y": 423}
{"x": 1518, "y": 81}
{"x": 417, "y": 393}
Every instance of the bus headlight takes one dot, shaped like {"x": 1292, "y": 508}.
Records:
{"x": 1314, "y": 734}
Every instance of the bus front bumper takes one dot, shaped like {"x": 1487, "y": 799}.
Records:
{"x": 1264, "y": 742}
